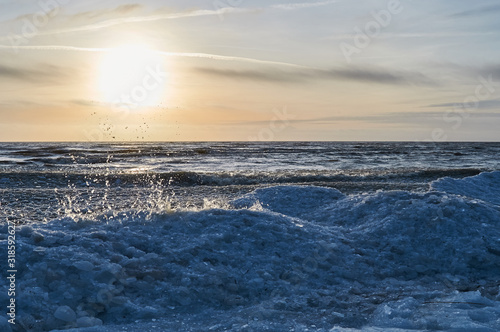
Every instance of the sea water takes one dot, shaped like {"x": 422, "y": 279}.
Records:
{"x": 296, "y": 236}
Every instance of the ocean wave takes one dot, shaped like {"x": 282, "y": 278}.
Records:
{"x": 259, "y": 156}
{"x": 100, "y": 177}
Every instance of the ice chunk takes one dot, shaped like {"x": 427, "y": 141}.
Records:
{"x": 88, "y": 322}
{"x": 65, "y": 313}
{"x": 84, "y": 265}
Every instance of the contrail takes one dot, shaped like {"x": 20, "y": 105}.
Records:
{"x": 231, "y": 58}
{"x": 196, "y": 13}
{"x": 54, "y": 48}
{"x": 293, "y": 6}
{"x": 170, "y": 54}
{"x": 138, "y": 19}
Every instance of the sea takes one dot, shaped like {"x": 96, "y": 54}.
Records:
{"x": 251, "y": 236}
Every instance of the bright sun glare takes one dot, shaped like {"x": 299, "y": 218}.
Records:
{"x": 131, "y": 76}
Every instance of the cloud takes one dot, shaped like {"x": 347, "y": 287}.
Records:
{"x": 408, "y": 35}
{"x": 255, "y": 75}
{"x": 123, "y": 9}
{"x": 53, "y": 48}
{"x": 493, "y": 70}
{"x": 83, "y": 102}
{"x": 12, "y": 72}
{"x": 19, "y": 103}
{"x": 294, "y": 6}
{"x": 294, "y": 74}
{"x": 127, "y": 9}
{"x": 479, "y": 11}
{"x": 379, "y": 76}
{"x": 43, "y": 73}
{"x": 482, "y": 104}
{"x": 139, "y": 19}
{"x": 120, "y": 10}
{"x": 368, "y": 75}
{"x": 170, "y": 54}
{"x": 387, "y": 118}
{"x": 90, "y": 103}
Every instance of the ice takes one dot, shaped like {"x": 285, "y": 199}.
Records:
{"x": 88, "y": 322}
{"x": 65, "y": 313}
{"x": 292, "y": 201}
{"x": 309, "y": 259}
{"x": 84, "y": 265}
{"x": 460, "y": 311}
{"x": 485, "y": 186}
{"x": 5, "y": 326}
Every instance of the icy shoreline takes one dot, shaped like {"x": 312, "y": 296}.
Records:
{"x": 284, "y": 257}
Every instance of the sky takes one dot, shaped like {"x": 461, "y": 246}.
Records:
{"x": 249, "y": 70}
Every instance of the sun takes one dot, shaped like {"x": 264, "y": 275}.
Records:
{"x": 131, "y": 76}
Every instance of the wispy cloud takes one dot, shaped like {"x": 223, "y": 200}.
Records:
{"x": 139, "y": 19}
{"x": 294, "y": 73}
{"x": 493, "y": 70}
{"x": 127, "y": 9}
{"x": 256, "y": 75}
{"x": 54, "y": 48}
{"x": 376, "y": 75}
{"x": 170, "y": 54}
{"x": 90, "y": 103}
{"x": 43, "y": 73}
{"x": 482, "y": 104}
{"x": 124, "y": 9}
{"x": 406, "y": 35}
{"x": 368, "y": 75}
{"x": 492, "y": 9}
{"x": 12, "y": 72}
{"x": 120, "y": 10}
{"x": 387, "y": 118}
{"x": 294, "y": 6}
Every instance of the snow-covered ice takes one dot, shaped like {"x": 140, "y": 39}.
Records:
{"x": 283, "y": 258}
